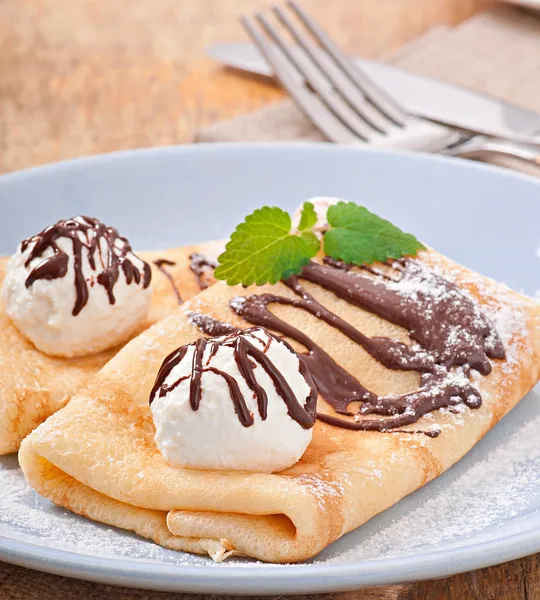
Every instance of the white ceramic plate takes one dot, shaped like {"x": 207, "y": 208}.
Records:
{"x": 484, "y": 510}
{"x": 534, "y": 4}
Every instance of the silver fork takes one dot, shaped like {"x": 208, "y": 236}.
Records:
{"x": 348, "y": 107}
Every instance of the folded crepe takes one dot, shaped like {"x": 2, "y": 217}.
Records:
{"x": 113, "y": 472}
{"x": 33, "y": 385}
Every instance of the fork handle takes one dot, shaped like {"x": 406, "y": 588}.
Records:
{"x": 517, "y": 156}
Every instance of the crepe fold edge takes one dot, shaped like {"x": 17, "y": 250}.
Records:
{"x": 64, "y": 490}
{"x": 207, "y": 515}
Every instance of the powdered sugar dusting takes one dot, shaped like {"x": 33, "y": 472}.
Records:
{"x": 321, "y": 486}
{"x": 476, "y": 498}
{"x": 501, "y": 305}
{"x": 25, "y": 516}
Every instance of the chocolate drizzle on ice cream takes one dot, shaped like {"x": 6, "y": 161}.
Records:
{"x": 247, "y": 356}
{"x": 108, "y": 252}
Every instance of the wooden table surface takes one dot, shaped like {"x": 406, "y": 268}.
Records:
{"x": 89, "y": 76}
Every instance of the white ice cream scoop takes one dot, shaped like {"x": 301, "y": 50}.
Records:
{"x": 76, "y": 288}
{"x": 243, "y": 401}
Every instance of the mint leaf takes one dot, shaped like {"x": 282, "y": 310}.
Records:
{"x": 262, "y": 249}
{"x": 308, "y": 218}
{"x": 358, "y": 236}
{"x": 312, "y": 241}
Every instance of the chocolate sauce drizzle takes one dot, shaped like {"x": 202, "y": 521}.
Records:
{"x": 91, "y": 234}
{"x": 448, "y": 330}
{"x": 161, "y": 263}
{"x": 210, "y": 326}
{"x": 199, "y": 265}
{"x": 245, "y": 353}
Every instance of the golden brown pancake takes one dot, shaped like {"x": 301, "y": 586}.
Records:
{"x": 33, "y": 385}
{"x": 112, "y": 472}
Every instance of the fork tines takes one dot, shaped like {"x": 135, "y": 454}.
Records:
{"x": 340, "y": 100}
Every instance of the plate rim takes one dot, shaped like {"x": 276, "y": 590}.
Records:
{"x": 268, "y": 579}
{"x": 210, "y": 147}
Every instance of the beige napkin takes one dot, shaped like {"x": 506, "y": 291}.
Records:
{"x": 496, "y": 52}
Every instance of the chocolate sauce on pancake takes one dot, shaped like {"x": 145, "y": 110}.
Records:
{"x": 247, "y": 355}
{"x": 161, "y": 263}
{"x": 199, "y": 265}
{"x": 449, "y": 332}
{"x": 210, "y": 326}
{"x": 103, "y": 244}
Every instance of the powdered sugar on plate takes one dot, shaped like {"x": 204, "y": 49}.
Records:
{"x": 492, "y": 491}
{"x": 25, "y": 516}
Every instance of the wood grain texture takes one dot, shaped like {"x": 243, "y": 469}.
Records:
{"x": 85, "y": 77}
{"x": 88, "y": 76}
{"x": 516, "y": 580}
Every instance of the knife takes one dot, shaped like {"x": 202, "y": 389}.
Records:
{"x": 422, "y": 96}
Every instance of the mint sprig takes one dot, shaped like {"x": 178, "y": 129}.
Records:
{"x": 264, "y": 249}
{"x": 308, "y": 217}
{"x": 360, "y": 237}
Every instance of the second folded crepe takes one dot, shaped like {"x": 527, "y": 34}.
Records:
{"x": 34, "y": 385}
{"x": 115, "y": 473}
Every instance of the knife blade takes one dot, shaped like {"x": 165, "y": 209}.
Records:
{"x": 421, "y": 96}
